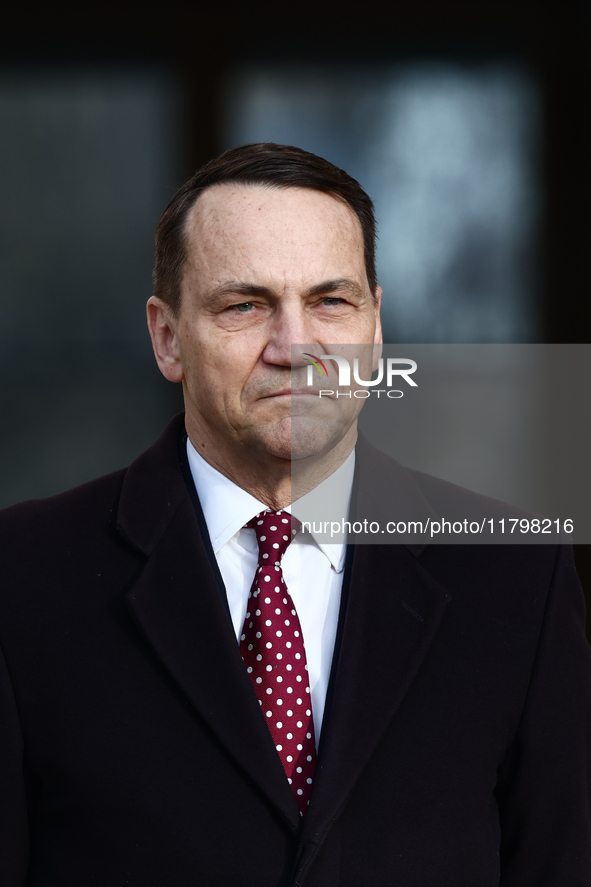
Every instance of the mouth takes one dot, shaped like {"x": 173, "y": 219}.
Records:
{"x": 291, "y": 392}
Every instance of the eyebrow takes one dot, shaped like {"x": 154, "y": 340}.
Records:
{"x": 335, "y": 286}
{"x": 239, "y": 288}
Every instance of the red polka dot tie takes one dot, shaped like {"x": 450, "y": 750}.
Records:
{"x": 272, "y": 647}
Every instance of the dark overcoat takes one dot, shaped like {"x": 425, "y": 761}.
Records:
{"x": 456, "y": 744}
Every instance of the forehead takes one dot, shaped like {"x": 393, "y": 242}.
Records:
{"x": 255, "y": 232}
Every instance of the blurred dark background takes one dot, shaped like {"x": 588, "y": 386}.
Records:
{"x": 466, "y": 122}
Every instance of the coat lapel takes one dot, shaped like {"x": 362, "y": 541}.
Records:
{"x": 393, "y": 613}
{"x": 394, "y": 610}
{"x": 177, "y": 605}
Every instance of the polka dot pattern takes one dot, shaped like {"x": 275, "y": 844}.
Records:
{"x": 273, "y": 651}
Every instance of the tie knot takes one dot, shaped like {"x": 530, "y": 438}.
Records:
{"x": 275, "y": 530}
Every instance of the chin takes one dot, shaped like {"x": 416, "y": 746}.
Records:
{"x": 304, "y": 436}
{"x": 272, "y": 440}
{"x": 292, "y": 439}
{"x": 311, "y": 438}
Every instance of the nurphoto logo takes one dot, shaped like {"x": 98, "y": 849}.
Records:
{"x": 396, "y": 368}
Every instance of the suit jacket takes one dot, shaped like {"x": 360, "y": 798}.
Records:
{"x": 455, "y": 749}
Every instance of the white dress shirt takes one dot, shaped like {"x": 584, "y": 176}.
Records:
{"x": 313, "y": 572}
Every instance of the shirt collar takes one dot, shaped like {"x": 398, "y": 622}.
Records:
{"x": 227, "y": 507}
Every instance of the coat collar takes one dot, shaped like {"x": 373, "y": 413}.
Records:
{"x": 386, "y": 493}
{"x": 153, "y": 491}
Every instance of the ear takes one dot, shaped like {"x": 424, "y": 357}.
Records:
{"x": 163, "y": 332}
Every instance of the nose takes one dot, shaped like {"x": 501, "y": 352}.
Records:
{"x": 288, "y": 326}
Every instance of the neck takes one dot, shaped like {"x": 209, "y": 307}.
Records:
{"x": 277, "y": 482}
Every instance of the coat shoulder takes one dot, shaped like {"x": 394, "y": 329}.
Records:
{"x": 442, "y": 494}
{"x": 54, "y": 513}
{"x": 47, "y": 541}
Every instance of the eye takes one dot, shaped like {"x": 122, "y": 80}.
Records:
{"x": 244, "y": 307}
{"x": 330, "y": 301}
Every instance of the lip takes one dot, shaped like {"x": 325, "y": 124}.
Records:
{"x": 291, "y": 392}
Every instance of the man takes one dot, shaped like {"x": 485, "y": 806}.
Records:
{"x": 420, "y": 716}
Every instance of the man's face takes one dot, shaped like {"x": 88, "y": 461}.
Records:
{"x": 266, "y": 269}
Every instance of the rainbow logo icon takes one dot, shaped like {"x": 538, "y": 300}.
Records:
{"x": 311, "y": 358}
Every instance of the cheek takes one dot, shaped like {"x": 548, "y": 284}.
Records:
{"x": 202, "y": 358}
{"x": 215, "y": 380}
{"x": 209, "y": 397}
{"x": 217, "y": 365}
